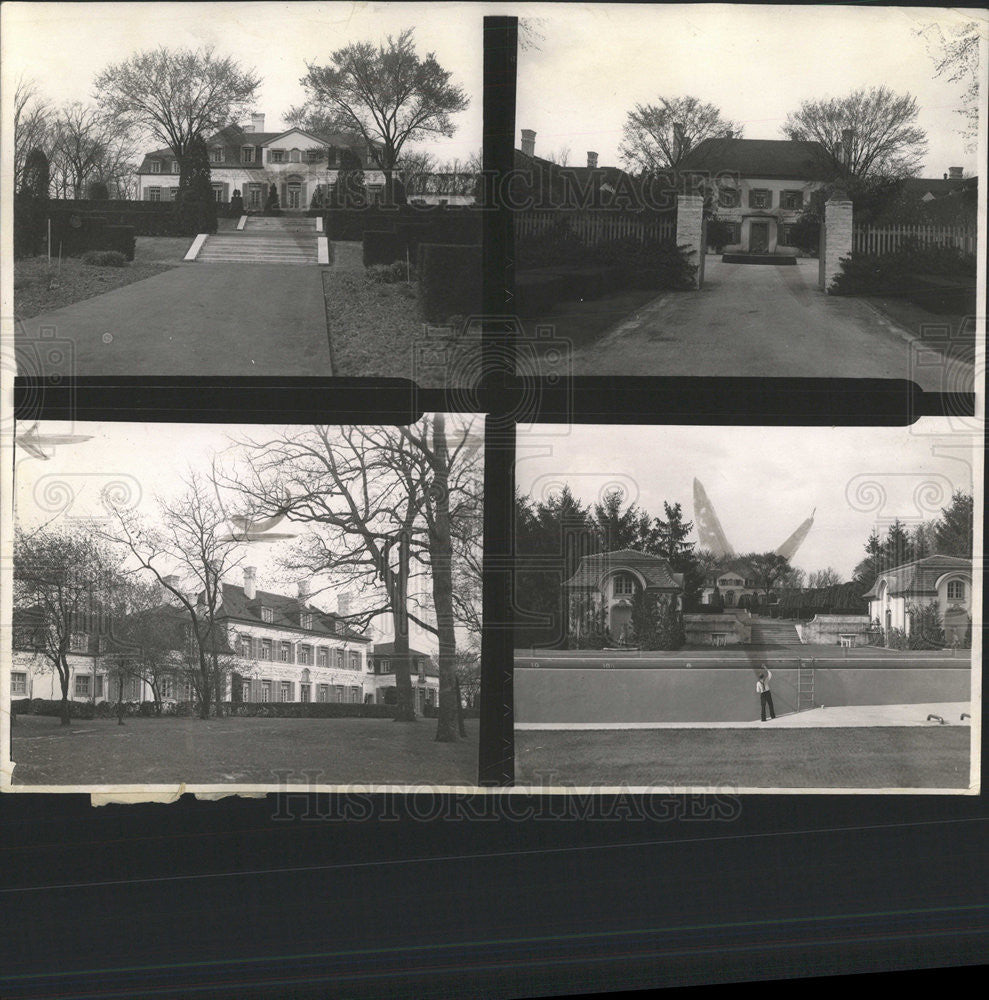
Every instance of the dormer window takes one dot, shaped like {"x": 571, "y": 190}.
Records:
{"x": 78, "y": 642}
{"x": 267, "y": 615}
{"x": 247, "y": 154}
{"x": 155, "y": 166}
{"x": 216, "y": 154}
{"x": 305, "y": 620}
{"x": 175, "y": 166}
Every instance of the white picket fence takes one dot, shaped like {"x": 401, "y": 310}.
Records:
{"x": 886, "y": 239}
{"x": 598, "y": 227}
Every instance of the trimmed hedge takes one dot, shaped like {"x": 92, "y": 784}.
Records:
{"x": 383, "y": 247}
{"x": 149, "y": 218}
{"x": 308, "y": 710}
{"x": 79, "y": 709}
{"x": 449, "y": 280}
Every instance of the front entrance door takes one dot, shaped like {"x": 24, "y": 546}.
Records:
{"x": 759, "y": 237}
{"x": 294, "y": 196}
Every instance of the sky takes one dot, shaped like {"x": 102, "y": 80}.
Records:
{"x": 277, "y": 39}
{"x": 592, "y": 65}
{"x": 762, "y": 481}
{"x": 144, "y": 461}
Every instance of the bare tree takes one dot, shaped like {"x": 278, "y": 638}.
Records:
{"x": 86, "y": 143}
{"x": 956, "y": 57}
{"x": 658, "y": 136}
{"x": 66, "y": 582}
{"x": 177, "y": 95}
{"x": 824, "y": 578}
{"x": 387, "y": 95}
{"x": 559, "y": 157}
{"x": 33, "y": 116}
{"x": 415, "y": 169}
{"x": 870, "y": 133}
{"x": 362, "y": 519}
{"x": 191, "y": 542}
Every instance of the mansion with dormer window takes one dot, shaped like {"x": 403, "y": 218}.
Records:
{"x": 248, "y": 159}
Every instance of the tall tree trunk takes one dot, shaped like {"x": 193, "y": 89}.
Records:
{"x": 63, "y": 677}
{"x": 405, "y": 709}
{"x": 441, "y": 562}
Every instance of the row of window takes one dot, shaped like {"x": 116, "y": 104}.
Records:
{"x": 386, "y": 667}
{"x": 171, "y": 193}
{"x": 251, "y": 154}
{"x": 792, "y": 201}
{"x": 285, "y": 691}
{"x": 252, "y": 648}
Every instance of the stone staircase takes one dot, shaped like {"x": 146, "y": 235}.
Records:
{"x": 264, "y": 240}
{"x": 773, "y": 632}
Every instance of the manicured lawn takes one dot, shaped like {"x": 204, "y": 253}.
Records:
{"x": 893, "y": 757}
{"x": 582, "y": 323}
{"x": 950, "y": 335}
{"x": 38, "y": 289}
{"x": 242, "y": 751}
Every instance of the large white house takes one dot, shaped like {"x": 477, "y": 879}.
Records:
{"x": 276, "y": 648}
{"x": 248, "y": 159}
{"x": 942, "y": 580}
{"x": 759, "y": 187}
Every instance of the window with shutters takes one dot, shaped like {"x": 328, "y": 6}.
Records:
{"x": 266, "y": 690}
{"x": 265, "y": 649}
{"x": 286, "y": 690}
{"x": 304, "y": 692}
{"x": 324, "y": 656}
{"x": 324, "y": 692}
{"x": 760, "y": 198}
{"x": 338, "y": 658}
{"x": 355, "y": 660}
{"x": 338, "y": 692}
{"x": 246, "y": 647}
{"x": 305, "y": 655}
{"x": 247, "y": 154}
{"x": 276, "y": 156}
{"x": 285, "y": 652}
{"x": 153, "y": 194}
{"x": 792, "y": 200}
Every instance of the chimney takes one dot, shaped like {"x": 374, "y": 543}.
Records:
{"x": 592, "y": 160}
{"x": 944, "y": 177}
{"x": 729, "y": 134}
{"x": 343, "y": 604}
{"x": 257, "y": 123}
{"x": 847, "y": 134}
{"x": 955, "y": 173}
{"x": 303, "y": 586}
{"x": 250, "y": 576}
{"x": 528, "y": 142}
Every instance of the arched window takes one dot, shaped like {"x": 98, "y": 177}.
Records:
{"x": 624, "y": 585}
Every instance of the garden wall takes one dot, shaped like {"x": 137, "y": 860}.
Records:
{"x": 826, "y": 629}
{"x": 720, "y": 694}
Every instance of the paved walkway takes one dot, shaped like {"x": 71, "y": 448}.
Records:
{"x": 842, "y": 717}
{"x": 225, "y": 319}
{"x": 763, "y": 320}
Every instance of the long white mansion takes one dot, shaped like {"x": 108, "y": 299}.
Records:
{"x": 248, "y": 159}
{"x": 278, "y": 648}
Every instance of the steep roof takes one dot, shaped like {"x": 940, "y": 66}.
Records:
{"x": 917, "y": 577}
{"x": 285, "y": 613}
{"x": 795, "y": 159}
{"x": 655, "y": 570}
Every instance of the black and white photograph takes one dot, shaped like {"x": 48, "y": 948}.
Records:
{"x": 251, "y": 605}
{"x": 260, "y": 189}
{"x": 746, "y": 607}
{"x": 734, "y": 190}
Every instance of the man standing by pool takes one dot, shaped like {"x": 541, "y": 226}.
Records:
{"x": 765, "y": 695}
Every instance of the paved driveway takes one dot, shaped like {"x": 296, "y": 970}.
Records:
{"x": 197, "y": 319}
{"x": 765, "y": 320}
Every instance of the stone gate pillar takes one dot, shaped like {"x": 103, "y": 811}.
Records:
{"x": 690, "y": 230}
{"x": 836, "y": 237}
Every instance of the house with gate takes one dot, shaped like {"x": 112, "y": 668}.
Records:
{"x": 248, "y": 159}
{"x": 945, "y": 581}
{"x": 275, "y": 648}
{"x": 758, "y": 187}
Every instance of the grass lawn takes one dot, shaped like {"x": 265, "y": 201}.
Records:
{"x": 242, "y": 751}
{"x": 582, "y": 323}
{"x": 889, "y": 757}
{"x": 376, "y": 329}
{"x": 950, "y": 335}
{"x": 39, "y": 290}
